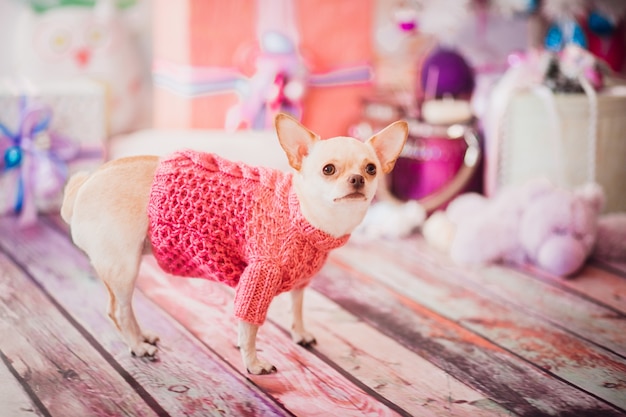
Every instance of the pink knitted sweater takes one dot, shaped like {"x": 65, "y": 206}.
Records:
{"x": 236, "y": 224}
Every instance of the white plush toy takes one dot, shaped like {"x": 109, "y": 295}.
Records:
{"x": 69, "y": 41}
{"x": 392, "y": 219}
{"x": 536, "y": 223}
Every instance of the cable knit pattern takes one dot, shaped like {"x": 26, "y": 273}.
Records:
{"x": 236, "y": 224}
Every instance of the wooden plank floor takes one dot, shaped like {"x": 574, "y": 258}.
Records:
{"x": 401, "y": 332}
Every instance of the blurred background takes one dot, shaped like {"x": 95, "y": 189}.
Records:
{"x": 105, "y": 70}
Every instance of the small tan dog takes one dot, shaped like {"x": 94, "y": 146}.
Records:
{"x": 262, "y": 240}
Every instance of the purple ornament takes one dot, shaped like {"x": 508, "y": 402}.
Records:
{"x": 446, "y": 73}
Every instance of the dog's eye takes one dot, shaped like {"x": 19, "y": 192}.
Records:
{"x": 328, "y": 169}
{"x": 370, "y": 169}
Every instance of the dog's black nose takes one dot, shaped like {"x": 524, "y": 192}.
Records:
{"x": 357, "y": 181}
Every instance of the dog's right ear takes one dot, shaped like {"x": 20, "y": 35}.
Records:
{"x": 294, "y": 138}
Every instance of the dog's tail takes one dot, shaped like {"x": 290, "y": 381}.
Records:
{"x": 71, "y": 189}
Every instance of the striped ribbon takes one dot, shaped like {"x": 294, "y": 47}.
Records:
{"x": 278, "y": 63}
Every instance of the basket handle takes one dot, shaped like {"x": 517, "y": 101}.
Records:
{"x": 435, "y": 200}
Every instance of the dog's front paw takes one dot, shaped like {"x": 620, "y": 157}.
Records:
{"x": 260, "y": 367}
{"x": 304, "y": 338}
{"x": 150, "y": 337}
{"x": 144, "y": 349}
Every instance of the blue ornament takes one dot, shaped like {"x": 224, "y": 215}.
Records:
{"x": 599, "y": 24}
{"x": 578, "y": 37}
{"x": 13, "y": 157}
{"x": 556, "y": 40}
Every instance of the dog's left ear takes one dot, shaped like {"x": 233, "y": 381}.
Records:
{"x": 294, "y": 138}
{"x": 388, "y": 144}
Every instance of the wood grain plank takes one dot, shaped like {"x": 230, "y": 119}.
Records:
{"x": 445, "y": 291}
{"x": 548, "y": 297}
{"x": 597, "y": 284}
{"x": 189, "y": 379}
{"x": 593, "y": 283}
{"x": 376, "y": 360}
{"x": 14, "y": 401}
{"x": 599, "y": 294}
{"x": 617, "y": 267}
{"x": 66, "y": 374}
{"x": 304, "y": 383}
{"x": 512, "y": 382}
{"x": 573, "y": 311}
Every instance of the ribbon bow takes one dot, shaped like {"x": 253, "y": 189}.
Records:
{"x": 35, "y": 158}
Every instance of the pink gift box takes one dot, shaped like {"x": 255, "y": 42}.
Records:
{"x": 207, "y": 51}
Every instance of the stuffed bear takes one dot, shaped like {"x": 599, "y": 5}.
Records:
{"x": 537, "y": 222}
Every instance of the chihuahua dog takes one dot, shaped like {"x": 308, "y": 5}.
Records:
{"x": 259, "y": 230}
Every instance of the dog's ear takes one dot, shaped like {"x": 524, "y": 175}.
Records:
{"x": 294, "y": 138}
{"x": 388, "y": 144}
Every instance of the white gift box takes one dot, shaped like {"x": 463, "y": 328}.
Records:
{"x": 79, "y": 108}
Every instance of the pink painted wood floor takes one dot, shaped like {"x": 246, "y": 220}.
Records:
{"x": 400, "y": 330}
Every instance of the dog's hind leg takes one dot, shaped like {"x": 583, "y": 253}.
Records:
{"x": 119, "y": 280}
{"x": 109, "y": 221}
{"x": 121, "y": 313}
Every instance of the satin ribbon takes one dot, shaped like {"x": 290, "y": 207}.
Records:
{"x": 191, "y": 82}
{"x": 37, "y": 156}
{"x": 280, "y": 78}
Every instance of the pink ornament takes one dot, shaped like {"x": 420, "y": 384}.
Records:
{"x": 406, "y": 19}
{"x": 516, "y": 58}
{"x": 594, "y": 77}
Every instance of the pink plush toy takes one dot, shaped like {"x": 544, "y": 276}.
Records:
{"x": 536, "y": 223}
